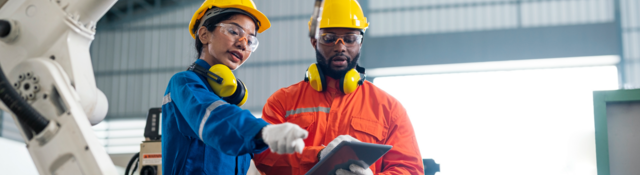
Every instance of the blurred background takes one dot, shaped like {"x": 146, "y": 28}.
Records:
{"x": 496, "y": 87}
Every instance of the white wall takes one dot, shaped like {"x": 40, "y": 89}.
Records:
{"x": 15, "y": 158}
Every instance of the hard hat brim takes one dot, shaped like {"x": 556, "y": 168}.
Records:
{"x": 264, "y": 21}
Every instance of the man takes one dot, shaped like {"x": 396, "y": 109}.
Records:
{"x": 334, "y": 109}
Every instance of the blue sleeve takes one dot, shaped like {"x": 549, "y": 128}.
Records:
{"x": 223, "y": 126}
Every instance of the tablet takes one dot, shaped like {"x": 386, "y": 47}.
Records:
{"x": 347, "y": 153}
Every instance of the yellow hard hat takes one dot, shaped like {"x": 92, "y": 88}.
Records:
{"x": 342, "y": 14}
{"x": 246, "y": 5}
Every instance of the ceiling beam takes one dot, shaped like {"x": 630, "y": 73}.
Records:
{"x": 129, "y": 10}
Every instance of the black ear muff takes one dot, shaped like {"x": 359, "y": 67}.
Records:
{"x": 363, "y": 74}
{"x": 239, "y": 97}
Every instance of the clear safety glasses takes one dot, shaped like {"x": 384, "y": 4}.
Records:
{"x": 331, "y": 39}
{"x": 238, "y": 34}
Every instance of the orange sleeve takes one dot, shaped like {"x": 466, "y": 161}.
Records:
{"x": 272, "y": 163}
{"x": 404, "y": 157}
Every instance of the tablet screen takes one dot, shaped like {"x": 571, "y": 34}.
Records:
{"x": 347, "y": 153}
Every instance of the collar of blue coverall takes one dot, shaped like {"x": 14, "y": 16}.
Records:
{"x": 203, "y": 63}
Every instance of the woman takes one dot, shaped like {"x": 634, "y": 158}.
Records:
{"x": 204, "y": 131}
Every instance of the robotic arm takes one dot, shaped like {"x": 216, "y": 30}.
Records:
{"x": 47, "y": 82}
{"x": 316, "y": 16}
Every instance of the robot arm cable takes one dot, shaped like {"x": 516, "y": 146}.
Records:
{"x": 23, "y": 110}
{"x": 5, "y": 28}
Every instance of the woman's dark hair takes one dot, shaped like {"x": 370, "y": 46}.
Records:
{"x": 210, "y": 24}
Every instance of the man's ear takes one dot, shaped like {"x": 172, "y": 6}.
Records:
{"x": 314, "y": 42}
{"x": 203, "y": 35}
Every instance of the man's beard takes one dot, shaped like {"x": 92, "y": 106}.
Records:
{"x": 336, "y": 74}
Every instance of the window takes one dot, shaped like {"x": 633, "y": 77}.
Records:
{"x": 121, "y": 136}
{"x": 525, "y": 122}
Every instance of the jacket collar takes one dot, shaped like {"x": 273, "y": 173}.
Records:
{"x": 332, "y": 83}
{"x": 203, "y": 63}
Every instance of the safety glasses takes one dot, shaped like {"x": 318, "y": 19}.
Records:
{"x": 331, "y": 39}
{"x": 238, "y": 34}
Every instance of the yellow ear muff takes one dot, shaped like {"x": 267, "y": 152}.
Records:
{"x": 239, "y": 97}
{"x": 315, "y": 77}
{"x": 350, "y": 81}
{"x": 223, "y": 83}
{"x": 222, "y": 80}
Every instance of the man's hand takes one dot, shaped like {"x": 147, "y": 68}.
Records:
{"x": 335, "y": 143}
{"x": 284, "y": 138}
{"x": 354, "y": 170}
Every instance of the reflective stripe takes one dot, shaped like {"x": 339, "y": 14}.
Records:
{"x": 211, "y": 107}
{"x": 166, "y": 99}
{"x": 302, "y": 110}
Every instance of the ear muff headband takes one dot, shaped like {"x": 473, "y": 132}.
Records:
{"x": 223, "y": 83}
{"x": 348, "y": 84}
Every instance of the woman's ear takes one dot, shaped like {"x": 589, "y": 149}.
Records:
{"x": 203, "y": 35}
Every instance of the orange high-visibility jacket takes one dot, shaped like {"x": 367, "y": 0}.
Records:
{"x": 368, "y": 114}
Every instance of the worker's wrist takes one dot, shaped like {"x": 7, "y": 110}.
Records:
{"x": 259, "y": 135}
{"x": 310, "y": 155}
{"x": 259, "y": 142}
{"x": 258, "y": 138}
{"x": 320, "y": 152}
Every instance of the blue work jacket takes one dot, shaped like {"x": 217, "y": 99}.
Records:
{"x": 203, "y": 134}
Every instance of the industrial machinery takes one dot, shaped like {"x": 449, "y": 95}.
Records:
{"x": 47, "y": 82}
{"x": 316, "y": 16}
{"x": 151, "y": 147}
{"x": 149, "y": 159}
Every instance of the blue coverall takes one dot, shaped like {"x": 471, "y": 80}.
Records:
{"x": 203, "y": 134}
